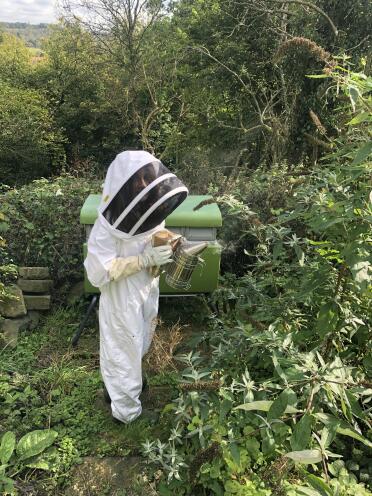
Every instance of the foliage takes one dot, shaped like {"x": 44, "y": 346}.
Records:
{"x": 14, "y": 60}
{"x": 82, "y": 94}
{"x": 45, "y": 228}
{"x": 32, "y": 451}
{"x": 290, "y": 350}
{"x": 30, "y": 141}
{"x": 182, "y": 85}
{"x": 45, "y": 384}
{"x": 276, "y": 399}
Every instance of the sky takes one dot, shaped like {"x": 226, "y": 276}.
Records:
{"x": 32, "y": 11}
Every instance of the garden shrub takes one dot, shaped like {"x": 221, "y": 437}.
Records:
{"x": 248, "y": 203}
{"x": 43, "y": 224}
{"x": 285, "y": 391}
{"x": 30, "y": 144}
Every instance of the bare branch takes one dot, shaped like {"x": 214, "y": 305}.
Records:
{"x": 311, "y": 6}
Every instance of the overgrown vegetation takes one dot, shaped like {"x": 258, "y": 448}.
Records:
{"x": 270, "y": 393}
{"x": 291, "y": 356}
{"x": 47, "y": 387}
{"x": 200, "y": 83}
{"x": 42, "y": 225}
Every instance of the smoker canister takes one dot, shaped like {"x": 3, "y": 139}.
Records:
{"x": 185, "y": 260}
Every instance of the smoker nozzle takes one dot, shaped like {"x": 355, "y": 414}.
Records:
{"x": 193, "y": 249}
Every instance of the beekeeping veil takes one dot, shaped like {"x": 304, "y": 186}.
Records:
{"x": 139, "y": 193}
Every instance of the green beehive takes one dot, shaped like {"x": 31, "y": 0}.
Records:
{"x": 198, "y": 225}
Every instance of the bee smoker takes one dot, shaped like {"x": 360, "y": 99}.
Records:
{"x": 185, "y": 259}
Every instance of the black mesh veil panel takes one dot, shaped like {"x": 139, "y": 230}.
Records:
{"x": 130, "y": 189}
{"x": 124, "y": 215}
{"x": 161, "y": 212}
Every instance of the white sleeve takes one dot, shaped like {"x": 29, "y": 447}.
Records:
{"x": 102, "y": 250}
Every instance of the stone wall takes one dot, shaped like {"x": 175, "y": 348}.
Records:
{"x": 31, "y": 295}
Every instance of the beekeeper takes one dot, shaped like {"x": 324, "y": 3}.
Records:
{"x": 139, "y": 193}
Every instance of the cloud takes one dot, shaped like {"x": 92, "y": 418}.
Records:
{"x": 32, "y": 11}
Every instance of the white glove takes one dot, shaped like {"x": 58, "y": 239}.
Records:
{"x": 124, "y": 267}
{"x": 158, "y": 255}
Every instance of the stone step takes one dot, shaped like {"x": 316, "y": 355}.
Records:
{"x": 34, "y": 272}
{"x": 40, "y": 302}
{"x": 13, "y": 308}
{"x": 35, "y": 285}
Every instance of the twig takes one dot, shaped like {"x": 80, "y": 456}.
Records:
{"x": 312, "y": 6}
{"x": 318, "y": 142}
{"x": 200, "y": 385}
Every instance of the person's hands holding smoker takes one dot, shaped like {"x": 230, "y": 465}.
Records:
{"x": 155, "y": 256}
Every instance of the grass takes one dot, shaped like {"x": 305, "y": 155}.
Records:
{"x": 44, "y": 383}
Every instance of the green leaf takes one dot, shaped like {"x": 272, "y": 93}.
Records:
{"x": 319, "y": 484}
{"x": 343, "y": 427}
{"x": 327, "y": 318}
{"x": 278, "y": 368}
{"x": 361, "y": 273}
{"x": 307, "y": 491}
{"x": 263, "y": 406}
{"x": 35, "y": 442}
{"x": 7, "y": 485}
{"x": 349, "y": 431}
{"x": 40, "y": 464}
{"x": 163, "y": 489}
{"x": 301, "y": 433}
{"x": 336, "y": 467}
{"x": 328, "y": 434}
{"x": 364, "y": 116}
{"x": 277, "y": 250}
{"x": 235, "y": 453}
{"x": 357, "y": 258}
{"x": 7, "y": 446}
{"x": 4, "y": 226}
{"x": 44, "y": 460}
{"x": 225, "y": 407}
{"x": 305, "y": 456}
{"x": 362, "y": 153}
{"x": 29, "y": 225}
{"x": 268, "y": 442}
{"x": 279, "y": 406}
{"x": 216, "y": 488}
{"x": 300, "y": 255}
{"x": 354, "y": 404}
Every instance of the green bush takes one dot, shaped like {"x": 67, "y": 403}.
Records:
{"x": 14, "y": 60}
{"x": 288, "y": 389}
{"x": 44, "y": 228}
{"x": 30, "y": 144}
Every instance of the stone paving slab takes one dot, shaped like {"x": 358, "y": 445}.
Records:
{"x": 34, "y": 272}
{"x": 40, "y": 302}
{"x": 35, "y": 285}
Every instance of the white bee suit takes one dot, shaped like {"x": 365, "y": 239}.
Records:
{"x": 139, "y": 193}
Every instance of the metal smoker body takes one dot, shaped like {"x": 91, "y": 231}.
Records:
{"x": 185, "y": 260}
